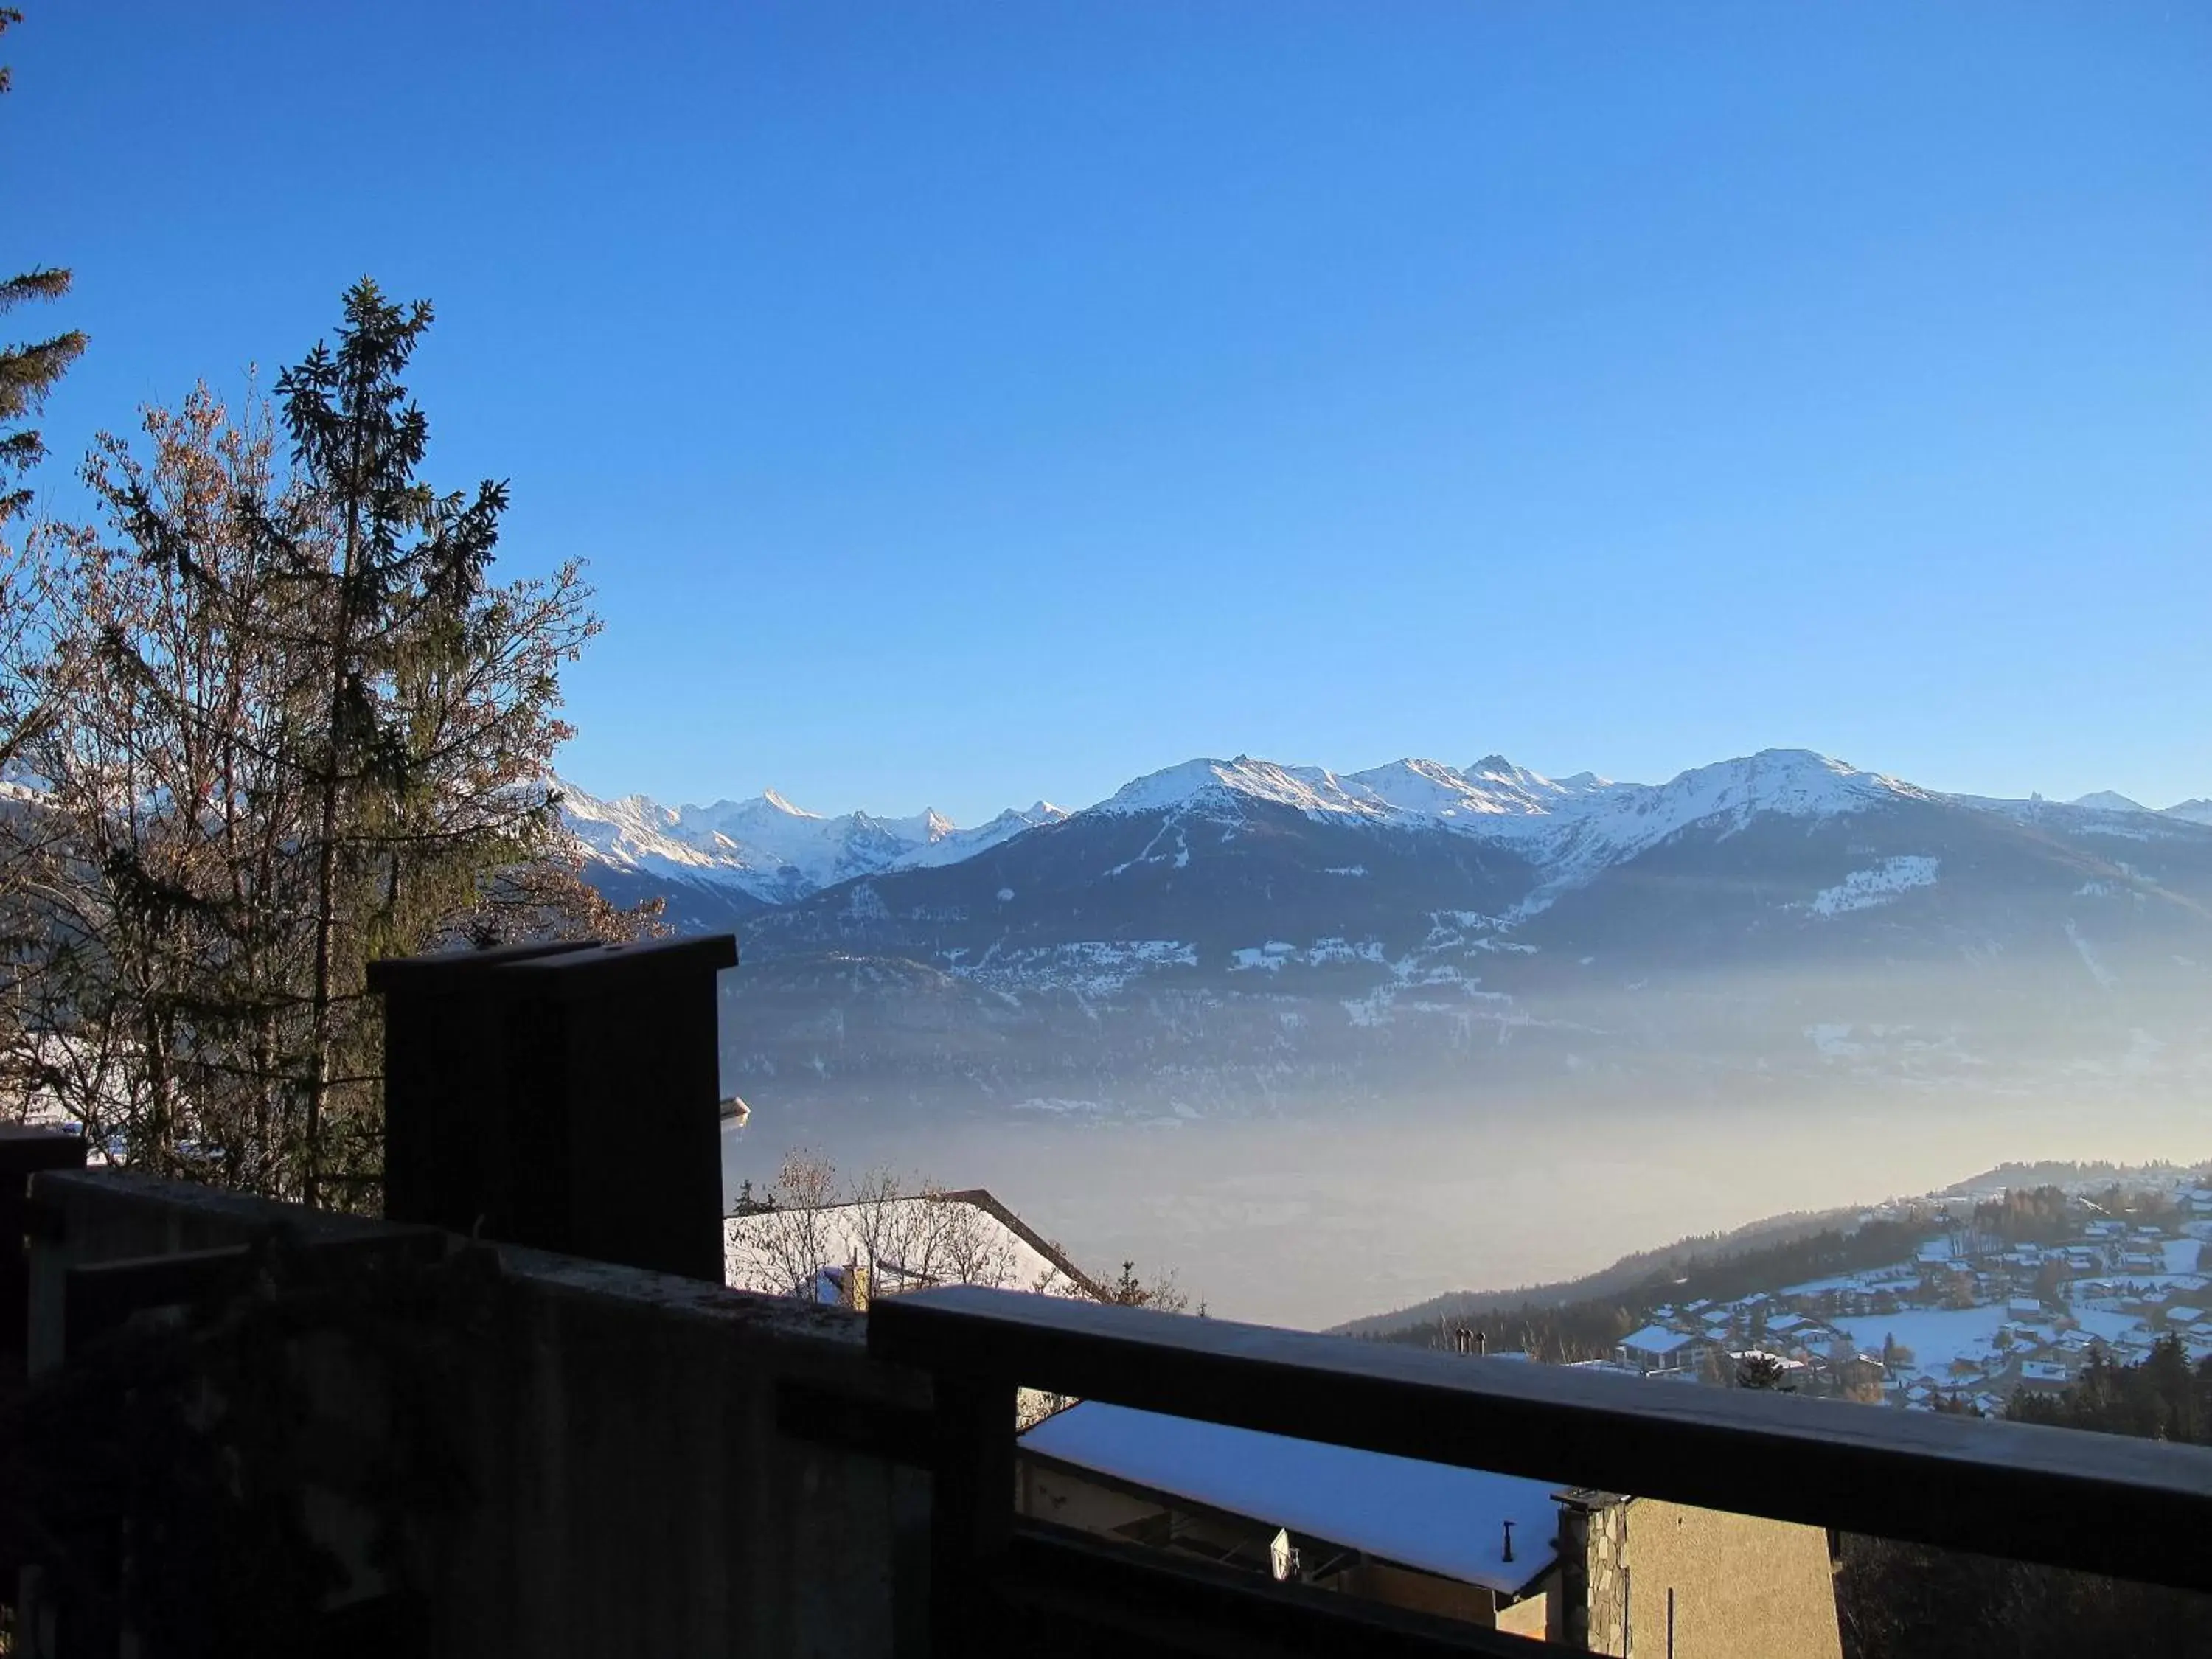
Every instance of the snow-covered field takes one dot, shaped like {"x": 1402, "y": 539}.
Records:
{"x": 1935, "y": 1335}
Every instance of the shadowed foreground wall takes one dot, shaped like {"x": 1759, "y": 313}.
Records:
{"x": 630, "y": 1491}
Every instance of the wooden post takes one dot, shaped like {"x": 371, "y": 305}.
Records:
{"x": 24, "y": 1151}
{"x": 972, "y": 1513}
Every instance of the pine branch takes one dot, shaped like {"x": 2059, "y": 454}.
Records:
{"x": 48, "y": 282}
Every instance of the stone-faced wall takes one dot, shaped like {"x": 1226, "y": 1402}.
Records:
{"x": 1588, "y": 1611}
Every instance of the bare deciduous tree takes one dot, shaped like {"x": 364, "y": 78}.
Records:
{"x": 789, "y": 1233}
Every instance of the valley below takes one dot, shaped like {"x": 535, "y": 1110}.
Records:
{"x": 1316, "y": 1216}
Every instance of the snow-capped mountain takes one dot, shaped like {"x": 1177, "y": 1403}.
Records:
{"x": 774, "y": 852}
{"x": 768, "y": 849}
{"x": 1420, "y": 793}
{"x": 1227, "y": 933}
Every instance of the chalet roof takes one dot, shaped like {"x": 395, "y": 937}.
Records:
{"x": 1429, "y": 1515}
{"x": 1017, "y": 1255}
{"x": 1657, "y": 1339}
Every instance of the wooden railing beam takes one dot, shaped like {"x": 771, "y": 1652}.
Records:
{"x": 2132, "y": 1509}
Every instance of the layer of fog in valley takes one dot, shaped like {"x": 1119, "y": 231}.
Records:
{"x": 1315, "y": 1217}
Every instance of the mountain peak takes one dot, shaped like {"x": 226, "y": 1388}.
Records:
{"x": 770, "y": 798}
{"x": 2108, "y": 801}
{"x": 1496, "y": 769}
{"x": 1204, "y": 784}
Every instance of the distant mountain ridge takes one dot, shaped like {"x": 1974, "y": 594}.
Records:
{"x": 773, "y": 852}
{"x": 1240, "y": 936}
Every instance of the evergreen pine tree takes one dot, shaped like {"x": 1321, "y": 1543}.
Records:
{"x": 297, "y": 728}
{"x": 27, "y": 370}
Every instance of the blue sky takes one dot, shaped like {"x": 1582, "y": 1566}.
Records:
{"x": 962, "y": 404}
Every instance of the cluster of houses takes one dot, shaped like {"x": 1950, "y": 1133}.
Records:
{"x": 1969, "y": 1319}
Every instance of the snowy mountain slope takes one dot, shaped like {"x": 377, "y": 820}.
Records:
{"x": 1495, "y": 798}
{"x": 2103, "y": 813}
{"x": 1222, "y": 791}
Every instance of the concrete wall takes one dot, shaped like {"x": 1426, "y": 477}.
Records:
{"x": 632, "y": 1493}
{"x": 1741, "y": 1587}
{"x": 1530, "y": 1616}
{"x": 1737, "y": 1587}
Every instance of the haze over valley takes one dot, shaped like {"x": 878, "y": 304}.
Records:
{"x": 1328, "y": 1041}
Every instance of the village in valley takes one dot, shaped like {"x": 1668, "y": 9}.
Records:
{"x": 2014, "y": 1288}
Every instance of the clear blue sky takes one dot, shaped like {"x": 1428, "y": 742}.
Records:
{"x": 962, "y": 403}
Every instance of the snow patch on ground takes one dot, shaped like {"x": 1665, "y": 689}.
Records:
{"x": 1324, "y": 951}
{"x": 1862, "y": 889}
{"x": 1087, "y": 967}
{"x": 2105, "y": 978}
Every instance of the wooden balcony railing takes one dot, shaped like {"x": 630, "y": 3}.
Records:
{"x": 2129, "y": 1509}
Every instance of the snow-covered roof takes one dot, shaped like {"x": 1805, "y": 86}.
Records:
{"x": 1430, "y": 1516}
{"x": 963, "y": 1238}
{"x": 1656, "y": 1339}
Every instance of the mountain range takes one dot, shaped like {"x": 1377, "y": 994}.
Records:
{"x": 1237, "y": 936}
